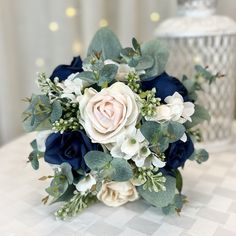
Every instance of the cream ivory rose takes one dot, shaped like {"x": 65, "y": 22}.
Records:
{"x": 109, "y": 113}
{"x": 117, "y": 193}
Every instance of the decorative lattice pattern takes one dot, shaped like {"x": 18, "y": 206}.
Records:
{"x": 217, "y": 52}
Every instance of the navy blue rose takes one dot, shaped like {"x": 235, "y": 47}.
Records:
{"x": 165, "y": 86}
{"x": 63, "y": 71}
{"x": 178, "y": 152}
{"x": 69, "y": 147}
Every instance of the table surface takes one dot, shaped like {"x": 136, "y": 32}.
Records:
{"x": 210, "y": 187}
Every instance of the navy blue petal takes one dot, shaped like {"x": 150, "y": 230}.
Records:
{"x": 63, "y": 71}
{"x": 69, "y": 147}
{"x": 165, "y": 86}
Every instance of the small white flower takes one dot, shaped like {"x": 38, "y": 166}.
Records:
{"x": 175, "y": 109}
{"x": 72, "y": 86}
{"x": 180, "y": 111}
{"x": 128, "y": 145}
{"x": 146, "y": 158}
{"x": 41, "y": 138}
{"x": 86, "y": 183}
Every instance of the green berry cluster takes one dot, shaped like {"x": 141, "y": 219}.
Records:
{"x": 133, "y": 81}
{"x": 69, "y": 119}
{"x": 152, "y": 179}
{"x": 75, "y": 205}
{"x": 149, "y": 103}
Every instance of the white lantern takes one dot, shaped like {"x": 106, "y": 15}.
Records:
{"x": 198, "y": 36}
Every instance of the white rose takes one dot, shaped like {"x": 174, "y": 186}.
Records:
{"x": 107, "y": 114}
{"x": 117, "y": 193}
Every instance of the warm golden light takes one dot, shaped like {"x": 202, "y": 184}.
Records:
{"x": 103, "y": 23}
{"x": 39, "y": 62}
{"x": 76, "y": 47}
{"x": 53, "y": 26}
{"x": 154, "y": 16}
{"x": 70, "y": 12}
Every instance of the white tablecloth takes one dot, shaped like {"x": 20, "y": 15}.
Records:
{"x": 211, "y": 211}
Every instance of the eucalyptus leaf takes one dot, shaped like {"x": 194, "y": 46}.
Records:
{"x": 106, "y": 42}
{"x": 96, "y": 160}
{"x": 56, "y": 111}
{"x": 87, "y": 76}
{"x": 66, "y": 196}
{"x": 200, "y": 156}
{"x": 159, "y": 53}
{"x": 179, "y": 180}
{"x": 200, "y": 115}
{"x": 175, "y": 130}
{"x": 122, "y": 170}
{"x": 107, "y": 74}
{"x": 33, "y": 158}
{"x": 161, "y": 198}
{"x": 145, "y": 62}
{"x": 66, "y": 170}
{"x": 136, "y": 45}
{"x": 58, "y": 186}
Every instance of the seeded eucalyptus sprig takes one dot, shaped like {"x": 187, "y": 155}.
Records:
{"x": 149, "y": 103}
{"x": 75, "y": 205}
{"x": 152, "y": 179}
{"x": 47, "y": 86}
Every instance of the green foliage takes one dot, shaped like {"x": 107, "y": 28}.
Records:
{"x": 200, "y": 156}
{"x": 58, "y": 186}
{"x": 63, "y": 178}
{"x": 176, "y": 205}
{"x": 199, "y": 116}
{"x": 149, "y": 102}
{"x": 112, "y": 168}
{"x": 41, "y": 113}
{"x": 56, "y": 111}
{"x": 161, "y": 134}
{"x": 145, "y": 62}
{"x": 106, "y": 42}
{"x": 87, "y": 76}
{"x": 66, "y": 196}
{"x": 152, "y": 179}
{"x": 206, "y": 74}
{"x": 121, "y": 170}
{"x": 179, "y": 180}
{"x": 107, "y": 74}
{"x": 67, "y": 172}
{"x": 97, "y": 160}
{"x": 75, "y": 205}
{"x": 161, "y": 198}
{"x": 158, "y": 53}
{"x": 34, "y": 155}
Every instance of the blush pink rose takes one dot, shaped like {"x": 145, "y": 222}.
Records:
{"x": 108, "y": 113}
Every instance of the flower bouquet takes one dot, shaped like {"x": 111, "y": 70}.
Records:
{"x": 116, "y": 127}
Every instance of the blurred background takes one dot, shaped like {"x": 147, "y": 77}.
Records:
{"x": 37, "y": 35}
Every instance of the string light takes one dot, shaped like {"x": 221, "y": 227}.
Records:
{"x": 39, "y": 62}
{"x": 103, "y": 23}
{"x": 197, "y": 59}
{"x": 76, "y": 47}
{"x": 154, "y": 16}
{"x": 53, "y": 26}
{"x": 70, "y": 12}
